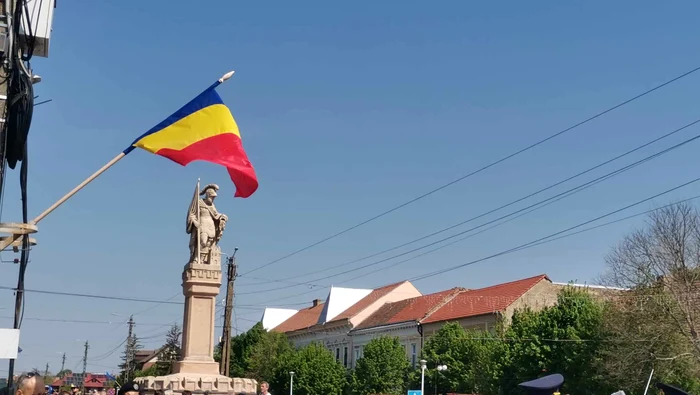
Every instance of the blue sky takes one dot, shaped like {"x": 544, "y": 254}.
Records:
{"x": 346, "y": 110}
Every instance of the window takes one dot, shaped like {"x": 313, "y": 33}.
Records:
{"x": 345, "y": 357}
{"x": 337, "y": 354}
{"x": 357, "y": 353}
{"x": 413, "y": 354}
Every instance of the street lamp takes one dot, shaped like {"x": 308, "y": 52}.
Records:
{"x": 291, "y": 383}
{"x": 438, "y": 369}
{"x": 423, "y": 363}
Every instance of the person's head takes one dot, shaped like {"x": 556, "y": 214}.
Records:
{"x": 264, "y": 386}
{"x": 30, "y": 384}
{"x": 129, "y": 388}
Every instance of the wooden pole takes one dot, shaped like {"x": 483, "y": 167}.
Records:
{"x": 8, "y": 241}
{"x": 225, "y": 364}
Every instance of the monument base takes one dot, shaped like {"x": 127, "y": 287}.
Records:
{"x": 197, "y": 384}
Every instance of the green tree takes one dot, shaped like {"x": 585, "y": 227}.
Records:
{"x": 265, "y": 355}
{"x": 170, "y": 352}
{"x": 446, "y": 347}
{"x": 567, "y": 338}
{"x": 657, "y": 323}
{"x": 382, "y": 369}
{"x": 315, "y": 372}
{"x": 241, "y": 348}
{"x": 128, "y": 365}
{"x": 474, "y": 361}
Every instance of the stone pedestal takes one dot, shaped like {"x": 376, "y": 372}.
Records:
{"x": 197, "y": 371}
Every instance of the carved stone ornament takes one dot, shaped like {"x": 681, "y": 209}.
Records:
{"x": 205, "y": 225}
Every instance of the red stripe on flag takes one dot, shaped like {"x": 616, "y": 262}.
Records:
{"x": 225, "y": 150}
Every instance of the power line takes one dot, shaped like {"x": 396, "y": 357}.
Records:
{"x": 540, "y": 203}
{"x": 540, "y": 240}
{"x": 106, "y": 297}
{"x": 629, "y": 152}
{"x": 529, "y": 246}
{"x": 503, "y": 159}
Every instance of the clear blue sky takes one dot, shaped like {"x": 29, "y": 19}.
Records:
{"x": 346, "y": 110}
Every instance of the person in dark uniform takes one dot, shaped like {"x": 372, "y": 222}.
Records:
{"x": 547, "y": 385}
{"x": 670, "y": 390}
{"x": 130, "y": 388}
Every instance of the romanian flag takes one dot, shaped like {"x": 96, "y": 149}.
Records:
{"x": 203, "y": 129}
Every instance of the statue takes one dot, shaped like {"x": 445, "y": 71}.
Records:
{"x": 205, "y": 226}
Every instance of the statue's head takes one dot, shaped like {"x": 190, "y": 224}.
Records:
{"x": 209, "y": 192}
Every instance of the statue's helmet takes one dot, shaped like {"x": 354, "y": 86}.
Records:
{"x": 210, "y": 190}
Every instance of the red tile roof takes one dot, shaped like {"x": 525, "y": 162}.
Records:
{"x": 413, "y": 309}
{"x": 484, "y": 300}
{"x": 365, "y": 302}
{"x": 303, "y": 319}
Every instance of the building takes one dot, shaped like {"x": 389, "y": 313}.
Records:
{"x": 351, "y": 318}
{"x": 91, "y": 381}
{"x": 144, "y": 359}
{"x": 330, "y": 323}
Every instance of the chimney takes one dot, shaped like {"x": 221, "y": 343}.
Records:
{"x": 316, "y": 302}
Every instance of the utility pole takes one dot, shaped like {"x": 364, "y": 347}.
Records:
{"x": 225, "y": 364}
{"x": 63, "y": 363}
{"x": 129, "y": 350}
{"x": 82, "y": 379}
{"x": 46, "y": 372}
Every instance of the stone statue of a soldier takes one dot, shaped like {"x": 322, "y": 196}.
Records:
{"x": 205, "y": 225}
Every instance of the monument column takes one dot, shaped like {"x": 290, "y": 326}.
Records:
{"x": 196, "y": 371}
{"x": 200, "y": 285}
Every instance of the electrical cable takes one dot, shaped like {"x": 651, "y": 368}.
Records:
{"x": 540, "y": 240}
{"x": 286, "y": 280}
{"x": 566, "y": 193}
{"x": 533, "y": 245}
{"x": 503, "y": 159}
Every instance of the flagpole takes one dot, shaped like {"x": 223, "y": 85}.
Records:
{"x": 199, "y": 228}
{"x": 11, "y": 239}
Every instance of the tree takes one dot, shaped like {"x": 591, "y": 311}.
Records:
{"x": 664, "y": 260}
{"x": 473, "y": 360}
{"x": 446, "y": 348}
{"x": 170, "y": 352}
{"x": 567, "y": 338}
{"x": 264, "y": 356}
{"x": 63, "y": 373}
{"x": 382, "y": 369}
{"x": 315, "y": 372}
{"x": 658, "y": 320}
{"x": 128, "y": 365}
{"x": 241, "y": 349}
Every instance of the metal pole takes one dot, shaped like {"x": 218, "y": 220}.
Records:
{"x": 422, "y": 376}
{"x": 291, "y": 383}
{"x": 648, "y": 382}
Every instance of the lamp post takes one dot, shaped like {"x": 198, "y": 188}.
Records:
{"x": 291, "y": 383}
{"x": 438, "y": 369}
{"x": 423, "y": 363}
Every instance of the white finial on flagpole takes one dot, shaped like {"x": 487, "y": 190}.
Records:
{"x": 226, "y": 76}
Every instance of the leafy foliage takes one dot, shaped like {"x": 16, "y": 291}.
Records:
{"x": 567, "y": 338}
{"x": 382, "y": 369}
{"x": 265, "y": 355}
{"x": 315, "y": 372}
{"x": 129, "y": 368}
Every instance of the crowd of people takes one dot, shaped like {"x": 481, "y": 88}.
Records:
{"x": 33, "y": 384}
